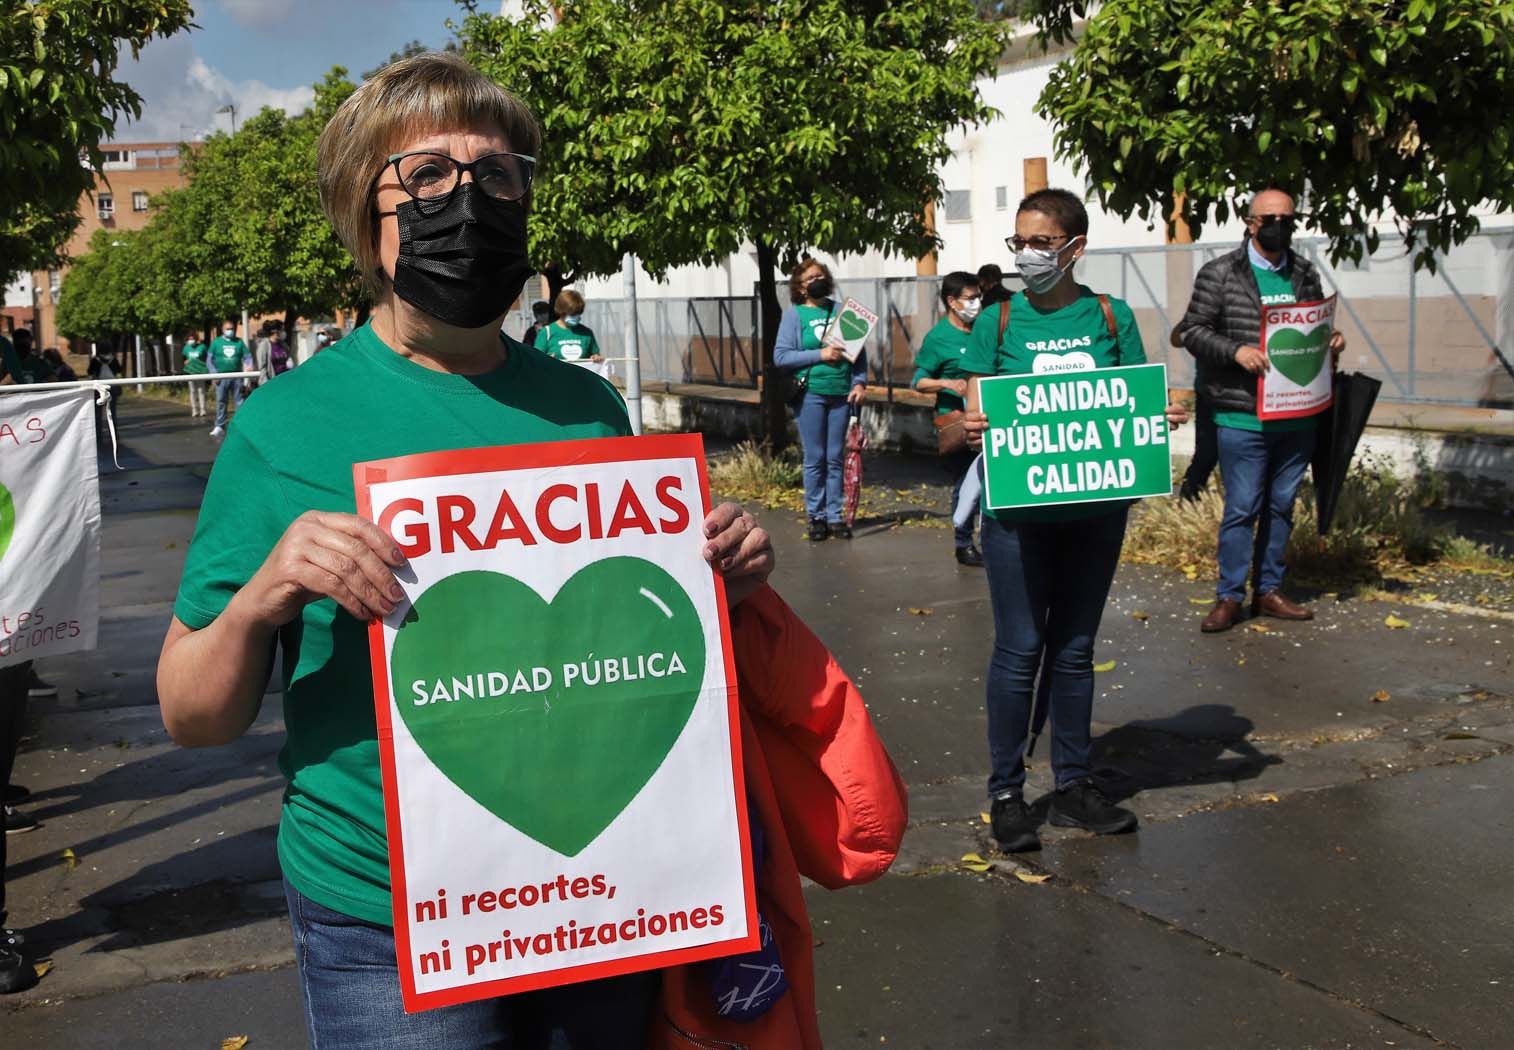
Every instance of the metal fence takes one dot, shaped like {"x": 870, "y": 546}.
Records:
{"x": 1446, "y": 338}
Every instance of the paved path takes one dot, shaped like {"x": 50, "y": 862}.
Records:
{"x": 1315, "y": 868}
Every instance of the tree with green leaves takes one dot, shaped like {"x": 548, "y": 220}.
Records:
{"x": 682, "y": 130}
{"x": 1396, "y": 109}
{"x": 59, "y": 99}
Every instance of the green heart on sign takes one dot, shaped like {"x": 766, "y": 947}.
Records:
{"x": 7, "y": 519}
{"x": 853, "y": 327}
{"x": 551, "y": 715}
{"x": 1299, "y": 355}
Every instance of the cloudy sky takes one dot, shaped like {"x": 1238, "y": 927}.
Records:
{"x": 256, "y": 53}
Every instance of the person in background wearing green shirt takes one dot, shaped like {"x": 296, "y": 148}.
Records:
{"x": 425, "y": 173}
{"x": 568, "y": 338}
{"x": 1049, "y": 568}
{"x": 226, "y": 355}
{"x": 195, "y": 352}
{"x": 1262, "y": 462}
{"x": 938, "y": 370}
{"x": 22, "y": 364}
{"x": 831, "y": 384}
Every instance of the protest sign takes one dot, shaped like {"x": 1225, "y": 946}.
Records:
{"x": 49, "y": 524}
{"x": 557, "y": 718}
{"x": 1076, "y": 437}
{"x": 849, "y": 328}
{"x": 1296, "y": 342}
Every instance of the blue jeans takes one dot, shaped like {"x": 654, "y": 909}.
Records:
{"x": 1261, "y": 472}
{"x": 1048, "y": 583}
{"x": 226, "y": 388}
{"x": 352, "y": 999}
{"x": 957, "y": 465}
{"x": 822, "y": 431}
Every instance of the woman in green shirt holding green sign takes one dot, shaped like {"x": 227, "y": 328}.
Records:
{"x": 1049, "y": 568}
{"x": 425, "y": 172}
{"x": 830, "y": 386}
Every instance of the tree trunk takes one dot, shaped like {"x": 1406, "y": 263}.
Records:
{"x": 557, "y": 280}
{"x": 774, "y": 413}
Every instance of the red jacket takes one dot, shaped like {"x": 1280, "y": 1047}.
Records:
{"x": 830, "y": 801}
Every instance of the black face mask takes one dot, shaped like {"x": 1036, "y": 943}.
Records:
{"x": 1274, "y": 236}
{"x": 819, "y": 288}
{"x": 464, "y": 262}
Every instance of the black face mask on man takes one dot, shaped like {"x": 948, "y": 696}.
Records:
{"x": 463, "y": 261}
{"x": 1275, "y": 236}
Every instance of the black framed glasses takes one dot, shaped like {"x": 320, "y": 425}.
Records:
{"x": 430, "y": 177}
{"x": 1040, "y": 244}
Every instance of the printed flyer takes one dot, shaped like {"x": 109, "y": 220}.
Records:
{"x": 1296, "y": 342}
{"x": 49, "y": 524}
{"x": 849, "y": 328}
{"x": 1076, "y": 437}
{"x": 557, "y": 718}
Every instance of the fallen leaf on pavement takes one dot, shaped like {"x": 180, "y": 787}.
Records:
{"x": 1241, "y": 662}
{"x": 233, "y": 1042}
{"x": 70, "y": 862}
{"x": 42, "y": 968}
{"x": 1140, "y": 615}
{"x": 1457, "y": 734}
{"x": 1268, "y": 797}
{"x": 1034, "y": 880}
{"x": 1108, "y": 665}
{"x": 1259, "y": 628}
{"x": 1200, "y": 601}
{"x": 1393, "y": 623}
{"x": 985, "y": 818}
{"x": 975, "y": 863}
{"x": 915, "y": 610}
{"x": 1382, "y": 696}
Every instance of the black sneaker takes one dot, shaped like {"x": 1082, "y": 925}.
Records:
{"x": 17, "y": 822}
{"x": 840, "y": 529}
{"x": 969, "y": 555}
{"x": 38, "y": 688}
{"x": 1013, "y": 826}
{"x": 818, "y": 529}
{"x": 15, "y": 793}
{"x": 1083, "y": 805}
{"x": 11, "y": 940}
{"x": 16, "y": 974}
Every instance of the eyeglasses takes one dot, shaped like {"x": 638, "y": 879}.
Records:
{"x": 433, "y": 176}
{"x": 1040, "y": 244}
{"x": 1268, "y": 220}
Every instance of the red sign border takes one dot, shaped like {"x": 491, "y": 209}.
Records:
{"x": 524, "y": 457}
{"x": 1261, "y": 379}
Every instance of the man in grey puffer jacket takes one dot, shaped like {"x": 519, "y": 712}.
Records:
{"x": 1262, "y": 462}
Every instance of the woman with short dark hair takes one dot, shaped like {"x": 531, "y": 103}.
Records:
{"x": 568, "y": 338}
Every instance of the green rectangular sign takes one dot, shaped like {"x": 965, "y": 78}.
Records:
{"x": 1076, "y": 437}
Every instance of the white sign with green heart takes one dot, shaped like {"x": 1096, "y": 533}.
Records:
{"x": 849, "y": 328}
{"x": 556, "y": 707}
{"x": 1296, "y": 342}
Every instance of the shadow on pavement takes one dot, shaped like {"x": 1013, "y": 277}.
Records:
{"x": 1205, "y": 744}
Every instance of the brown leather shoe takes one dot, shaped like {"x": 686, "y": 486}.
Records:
{"x": 1274, "y": 603}
{"x": 1222, "y": 617}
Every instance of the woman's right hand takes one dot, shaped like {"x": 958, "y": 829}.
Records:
{"x": 831, "y": 355}
{"x": 975, "y": 424}
{"x": 324, "y": 555}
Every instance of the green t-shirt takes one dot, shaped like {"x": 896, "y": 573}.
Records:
{"x": 567, "y": 342}
{"x": 1073, "y": 339}
{"x": 831, "y": 378}
{"x": 941, "y": 354}
{"x": 1276, "y": 289}
{"x": 194, "y": 359}
{"x": 281, "y": 459}
{"x": 226, "y": 354}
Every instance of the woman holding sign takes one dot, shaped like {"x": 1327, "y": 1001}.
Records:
{"x": 1049, "y": 568}
{"x": 568, "y": 338}
{"x": 425, "y": 172}
{"x": 831, "y": 385}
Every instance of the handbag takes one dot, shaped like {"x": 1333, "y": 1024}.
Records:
{"x": 951, "y": 435}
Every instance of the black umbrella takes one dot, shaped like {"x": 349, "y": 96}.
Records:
{"x": 1340, "y": 428}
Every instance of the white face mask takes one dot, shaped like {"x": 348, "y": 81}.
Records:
{"x": 228, "y": 332}
{"x": 1038, "y": 267}
{"x": 968, "y": 309}
{"x": 574, "y": 319}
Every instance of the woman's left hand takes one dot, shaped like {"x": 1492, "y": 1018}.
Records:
{"x": 1337, "y": 345}
{"x": 856, "y": 395}
{"x": 739, "y": 549}
{"x": 1177, "y": 415}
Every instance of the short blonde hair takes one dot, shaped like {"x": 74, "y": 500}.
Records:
{"x": 435, "y": 91}
{"x": 569, "y": 303}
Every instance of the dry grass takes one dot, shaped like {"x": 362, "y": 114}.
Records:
{"x": 1380, "y": 528}
{"x": 750, "y": 474}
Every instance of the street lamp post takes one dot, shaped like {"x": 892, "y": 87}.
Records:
{"x": 231, "y": 108}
